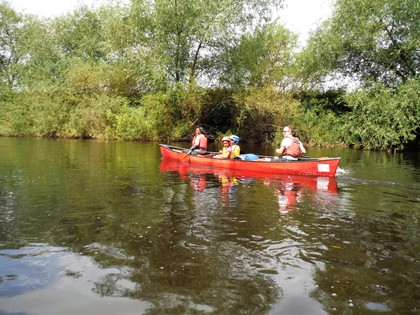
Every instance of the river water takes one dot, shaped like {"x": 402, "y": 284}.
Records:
{"x": 90, "y": 227}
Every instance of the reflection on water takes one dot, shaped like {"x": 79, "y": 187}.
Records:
{"x": 70, "y": 282}
{"x": 288, "y": 189}
{"x": 288, "y": 195}
{"x": 109, "y": 228}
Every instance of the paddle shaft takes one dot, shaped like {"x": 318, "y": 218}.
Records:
{"x": 185, "y": 154}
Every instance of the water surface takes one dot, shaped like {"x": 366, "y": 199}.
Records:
{"x": 110, "y": 228}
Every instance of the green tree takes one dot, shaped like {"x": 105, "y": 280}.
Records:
{"x": 368, "y": 41}
{"x": 80, "y": 34}
{"x": 383, "y": 119}
{"x": 188, "y": 34}
{"x": 265, "y": 109}
{"x": 16, "y": 43}
{"x": 262, "y": 58}
{"x": 375, "y": 44}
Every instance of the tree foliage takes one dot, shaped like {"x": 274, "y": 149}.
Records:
{"x": 188, "y": 35}
{"x": 262, "y": 58}
{"x": 383, "y": 119}
{"x": 265, "y": 109}
{"x": 368, "y": 41}
{"x": 17, "y": 39}
{"x": 375, "y": 44}
{"x": 152, "y": 69}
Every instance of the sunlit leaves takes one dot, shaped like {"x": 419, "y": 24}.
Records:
{"x": 260, "y": 59}
{"x": 265, "y": 109}
{"x": 16, "y": 42}
{"x": 383, "y": 119}
{"x": 369, "y": 41}
{"x": 80, "y": 34}
{"x": 190, "y": 34}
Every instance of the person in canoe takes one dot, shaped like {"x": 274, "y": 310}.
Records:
{"x": 226, "y": 152}
{"x": 199, "y": 142}
{"x": 235, "y": 146}
{"x": 290, "y": 147}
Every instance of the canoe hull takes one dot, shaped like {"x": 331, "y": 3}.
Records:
{"x": 266, "y": 164}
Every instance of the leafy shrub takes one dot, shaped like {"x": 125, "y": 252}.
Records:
{"x": 130, "y": 124}
{"x": 383, "y": 119}
{"x": 264, "y": 111}
{"x": 319, "y": 124}
{"x": 93, "y": 117}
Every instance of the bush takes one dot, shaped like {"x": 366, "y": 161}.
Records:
{"x": 94, "y": 117}
{"x": 130, "y": 124}
{"x": 263, "y": 112}
{"x": 382, "y": 119}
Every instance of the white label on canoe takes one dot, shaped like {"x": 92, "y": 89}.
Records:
{"x": 323, "y": 168}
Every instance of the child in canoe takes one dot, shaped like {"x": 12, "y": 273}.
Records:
{"x": 227, "y": 152}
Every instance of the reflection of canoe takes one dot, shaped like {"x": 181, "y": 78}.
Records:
{"x": 265, "y": 164}
{"x": 317, "y": 183}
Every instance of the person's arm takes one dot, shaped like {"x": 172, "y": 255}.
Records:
{"x": 285, "y": 143}
{"x": 225, "y": 153}
{"x": 280, "y": 151}
{"x": 302, "y": 149}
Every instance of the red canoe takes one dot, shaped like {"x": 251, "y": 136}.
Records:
{"x": 265, "y": 164}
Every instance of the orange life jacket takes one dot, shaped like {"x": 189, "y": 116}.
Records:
{"x": 202, "y": 143}
{"x": 294, "y": 148}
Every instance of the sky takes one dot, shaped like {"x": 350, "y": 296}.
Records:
{"x": 303, "y": 16}
{"x": 300, "y": 16}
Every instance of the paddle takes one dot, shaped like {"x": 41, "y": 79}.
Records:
{"x": 185, "y": 154}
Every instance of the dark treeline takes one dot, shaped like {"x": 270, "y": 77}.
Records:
{"x": 152, "y": 70}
